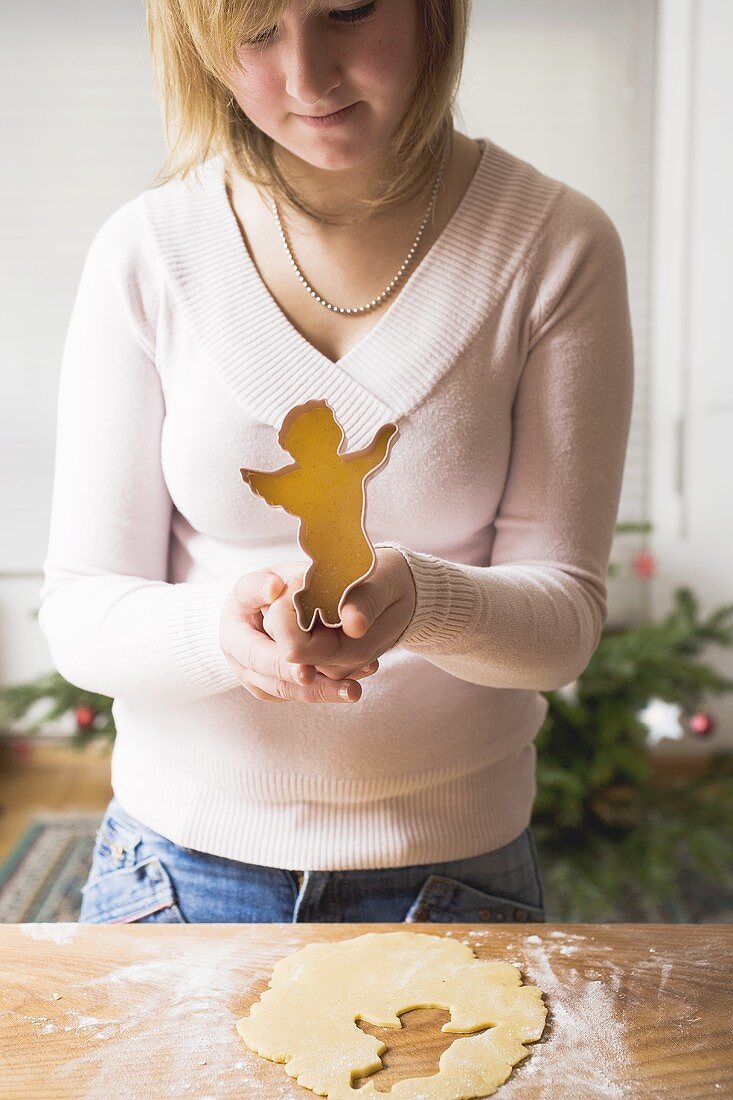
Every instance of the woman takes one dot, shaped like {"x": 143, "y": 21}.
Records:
{"x": 339, "y": 240}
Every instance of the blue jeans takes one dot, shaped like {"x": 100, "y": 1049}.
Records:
{"x": 139, "y": 876}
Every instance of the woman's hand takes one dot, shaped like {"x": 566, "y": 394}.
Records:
{"x": 257, "y": 661}
{"x": 374, "y": 616}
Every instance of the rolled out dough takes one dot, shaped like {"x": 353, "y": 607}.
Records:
{"x": 307, "y": 1018}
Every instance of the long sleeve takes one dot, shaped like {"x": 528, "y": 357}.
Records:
{"x": 533, "y": 617}
{"x": 112, "y": 622}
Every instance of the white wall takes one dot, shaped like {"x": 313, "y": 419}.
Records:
{"x": 569, "y": 87}
{"x": 82, "y": 136}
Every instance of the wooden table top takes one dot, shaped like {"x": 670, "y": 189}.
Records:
{"x": 149, "y": 1010}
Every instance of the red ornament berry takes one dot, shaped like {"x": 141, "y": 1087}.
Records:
{"x": 85, "y": 717}
{"x": 702, "y": 724}
{"x": 645, "y": 565}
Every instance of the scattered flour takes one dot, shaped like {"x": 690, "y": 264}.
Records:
{"x": 60, "y": 933}
{"x": 178, "y": 1013}
{"x": 583, "y": 1050}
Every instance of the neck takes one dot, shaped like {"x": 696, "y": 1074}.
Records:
{"x": 341, "y": 192}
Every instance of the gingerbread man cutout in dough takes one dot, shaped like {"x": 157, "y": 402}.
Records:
{"x": 325, "y": 490}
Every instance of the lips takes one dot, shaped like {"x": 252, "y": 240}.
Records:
{"x": 329, "y": 114}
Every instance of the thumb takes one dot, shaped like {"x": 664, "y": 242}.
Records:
{"x": 256, "y": 590}
{"x": 361, "y": 609}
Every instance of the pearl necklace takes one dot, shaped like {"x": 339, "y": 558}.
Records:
{"x": 381, "y": 298}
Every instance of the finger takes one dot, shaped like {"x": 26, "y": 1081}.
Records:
{"x": 314, "y": 688}
{"x": 368, "y": 670}
{"x": 354, "y": 621}
{"x": 335, "y": 672}
{"x": 323, "y": 646}
{"x": 317, "y": 646}
{"x": 261, "y": 694}
{"x": 256, "y": 590}
{"x": 322, "y": 690}
{"x": 265, "y": 659}
{"x": 320, "y": 646}
{"x": 263, "y": 656}
{"x": 364, "y": 604}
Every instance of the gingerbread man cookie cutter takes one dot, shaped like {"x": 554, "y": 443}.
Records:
{"x": 325, "y": 489}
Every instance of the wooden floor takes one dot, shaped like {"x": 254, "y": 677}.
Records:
{"x": 52, "y": 777}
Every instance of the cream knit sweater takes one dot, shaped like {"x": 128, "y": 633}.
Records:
{"x": 506, "y": 361}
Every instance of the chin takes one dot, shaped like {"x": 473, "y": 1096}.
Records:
{"x": 322, "y": 151}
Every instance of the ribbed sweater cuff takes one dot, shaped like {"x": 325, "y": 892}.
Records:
{"x": 447, "y": 603}
{"x": 193, "y": 627}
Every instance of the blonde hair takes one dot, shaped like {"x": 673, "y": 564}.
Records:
{"x": 194, "y": 46}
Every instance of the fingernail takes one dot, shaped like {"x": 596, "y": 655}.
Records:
{"x": 344, "y": 693}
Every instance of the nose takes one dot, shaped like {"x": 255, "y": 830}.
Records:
{"x": 311, "y": 71}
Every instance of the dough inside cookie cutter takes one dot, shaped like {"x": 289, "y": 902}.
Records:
{"x": 325, "y": 489}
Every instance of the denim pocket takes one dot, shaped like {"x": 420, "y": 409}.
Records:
{"x": 125, "y": 884}
{"x": 443, "y": 899}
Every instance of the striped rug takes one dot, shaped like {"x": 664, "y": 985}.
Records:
{"x": 42, "y": 879}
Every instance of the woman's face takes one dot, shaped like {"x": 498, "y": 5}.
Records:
{"x": 349, "y": 52}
